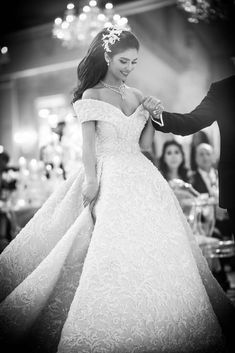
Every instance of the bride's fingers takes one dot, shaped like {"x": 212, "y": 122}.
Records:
{"x": 152, "y": 103}
{"x": 85, "y": 201}
{"x": 158, "y": 109}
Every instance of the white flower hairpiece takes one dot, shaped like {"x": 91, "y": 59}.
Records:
{"x": 111, "y": 37}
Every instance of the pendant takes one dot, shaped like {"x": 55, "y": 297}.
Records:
{"x": 122, "y": 90}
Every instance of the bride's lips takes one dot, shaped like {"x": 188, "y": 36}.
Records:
{"x": 124, "y": 73}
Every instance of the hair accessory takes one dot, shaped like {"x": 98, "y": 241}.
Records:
{"x": 111, "y": 37}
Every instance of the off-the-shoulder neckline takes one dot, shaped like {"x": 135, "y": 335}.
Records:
{"x": 109, "y": 104}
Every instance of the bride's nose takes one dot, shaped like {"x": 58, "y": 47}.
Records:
{"x": 129, "y": 66}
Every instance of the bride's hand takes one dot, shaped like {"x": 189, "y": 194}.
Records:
{"x": 153, "y": 105}
{"x": 89, "y": 192}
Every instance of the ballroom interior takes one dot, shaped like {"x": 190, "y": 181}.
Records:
{"x": 180, "y": 56}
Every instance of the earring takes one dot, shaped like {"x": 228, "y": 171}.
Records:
{"x": 107, "y": 63}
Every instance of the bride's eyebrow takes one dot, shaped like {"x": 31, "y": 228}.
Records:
{"x": 123, "y": 58}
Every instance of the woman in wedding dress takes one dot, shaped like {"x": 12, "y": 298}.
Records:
{"x": 109, "y": 263}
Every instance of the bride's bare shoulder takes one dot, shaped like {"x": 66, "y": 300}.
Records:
{"x": 92, "y": 93}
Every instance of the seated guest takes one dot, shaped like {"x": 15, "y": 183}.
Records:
{"x": 172, "y": 162}
{"x": 197, "y": 138}
{"x": 172, "y": 166}
{"x": 205, "y": 180}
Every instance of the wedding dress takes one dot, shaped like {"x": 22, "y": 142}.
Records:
{"x": 126, "y": 277}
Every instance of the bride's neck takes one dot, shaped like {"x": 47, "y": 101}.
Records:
{"x": 111, "y": 80}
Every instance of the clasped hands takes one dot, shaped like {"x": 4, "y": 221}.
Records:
{"x": 153, "y": 105}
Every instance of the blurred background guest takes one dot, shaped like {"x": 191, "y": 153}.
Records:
{"x": 205, "y": 180}
{"x": 173, "y": 167}
{"x": 7, "y": 185}
{"x": 7, "y": 180}
{"x": 172, "y": 162}
{"x": 205, "y": 177}
{"x": 4, "y": 159}
{"x": 197, "y": 138}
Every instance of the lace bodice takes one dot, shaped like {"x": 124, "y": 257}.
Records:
{"x": 116, "y": 132}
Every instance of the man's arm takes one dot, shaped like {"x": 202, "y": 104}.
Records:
{"x": 186, "y": 124}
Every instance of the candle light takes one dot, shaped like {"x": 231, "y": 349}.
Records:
{"x": 33, "y": 165}
{"x": 22, "y": 162}
{"x": 56, "y": 160}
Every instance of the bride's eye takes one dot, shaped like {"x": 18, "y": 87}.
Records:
{"x": 123, "y": 62}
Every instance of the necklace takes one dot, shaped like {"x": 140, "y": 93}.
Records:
{"x": 120, "y": 90}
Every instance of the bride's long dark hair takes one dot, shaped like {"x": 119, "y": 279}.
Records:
{"x": 93, "y": 66}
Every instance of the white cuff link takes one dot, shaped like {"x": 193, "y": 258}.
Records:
{"x": 157, "y": 119}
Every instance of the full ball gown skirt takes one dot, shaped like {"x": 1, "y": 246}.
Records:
{"x": 126, "y": 276}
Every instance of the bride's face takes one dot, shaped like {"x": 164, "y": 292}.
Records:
{"x": 122, "y": 64}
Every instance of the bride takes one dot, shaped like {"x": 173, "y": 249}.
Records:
{"x": 109, "y": 263}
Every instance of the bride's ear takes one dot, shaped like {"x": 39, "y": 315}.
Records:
{"x": 107, "y": 58}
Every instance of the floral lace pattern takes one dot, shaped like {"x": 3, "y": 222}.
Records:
{"x": 135, "y": 281}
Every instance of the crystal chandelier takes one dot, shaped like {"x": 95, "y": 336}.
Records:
{"x": 75, "y": 29}
{"x": 203, "y": 10}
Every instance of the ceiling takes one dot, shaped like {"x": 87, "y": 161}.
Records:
{"x": 17, "y": 15}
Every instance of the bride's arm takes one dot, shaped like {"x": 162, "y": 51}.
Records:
{"x": 88, "y": 151}
{"x": 146, "y": 138}
{"x": 90, "y": 187}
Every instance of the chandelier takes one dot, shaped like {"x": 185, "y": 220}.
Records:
{"x": 75, "y": 29}
{"x": 204, "y": 10}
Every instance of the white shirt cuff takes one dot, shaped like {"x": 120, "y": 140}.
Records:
{"x": 157, "y": 119}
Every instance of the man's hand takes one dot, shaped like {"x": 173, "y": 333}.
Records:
{"x": 153, "y": 105}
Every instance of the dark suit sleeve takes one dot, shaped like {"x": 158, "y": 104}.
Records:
{"x": 186, "y": 124}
